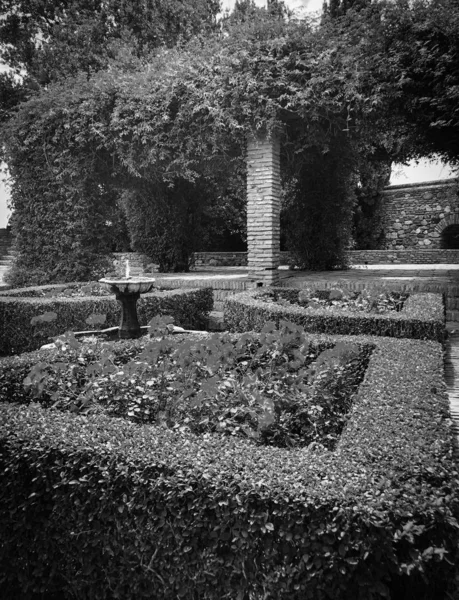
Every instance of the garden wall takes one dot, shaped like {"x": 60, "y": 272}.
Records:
{"x": 356, "y": 257}
{"x": 415, "y": 215}
{"x": 410, "y": 256}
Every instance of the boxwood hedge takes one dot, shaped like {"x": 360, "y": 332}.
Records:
{"x": 21, "y": 331}
{"x": 422, "y": 316}
{"x": 99, "y": 508}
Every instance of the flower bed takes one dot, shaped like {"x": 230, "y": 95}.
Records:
{"x": 137, "y": 511}
{"x": 420, "y": 316}
{"x": 28, "y": 321}
{"x": 277, "y": 388}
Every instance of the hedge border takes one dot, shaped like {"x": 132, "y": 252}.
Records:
{"x": 422, "y": 316}
{"x": 189, "y": 307}
{"x": 227, "y": 518}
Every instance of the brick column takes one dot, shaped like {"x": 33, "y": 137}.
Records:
{"x": 263, "y": 210}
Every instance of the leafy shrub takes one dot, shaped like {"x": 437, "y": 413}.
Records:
{"x": 122, "y": 510}
{"x": 275, "y": 388}
{"x": 29, "y": 322}
{"x": 422, "y": 315}
{"x": 318, "y": 207}
{"x": 375, "y": 301}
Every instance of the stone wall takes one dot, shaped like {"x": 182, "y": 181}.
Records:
{"x": 415, "y": 215}
{"x": 356, "y": 257}
{"x": 229, "y": 259}
{"x": 220, "y": 259}
{"x": 405, "y": 257}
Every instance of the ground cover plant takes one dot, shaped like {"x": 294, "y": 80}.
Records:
{"x": 131, "y": 510}
{"x": 275, "y": 388}
{"x": 31, "y": 317}
{"x": 340, "y": 311}
{"x": 70, "y": 290}
{"x": 377, "y": 301}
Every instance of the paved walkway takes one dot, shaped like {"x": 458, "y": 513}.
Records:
{"x": 384, "y": 273}
{"x": 452, "y": 377}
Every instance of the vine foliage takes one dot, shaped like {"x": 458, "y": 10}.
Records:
{"x": 163, "y": 139}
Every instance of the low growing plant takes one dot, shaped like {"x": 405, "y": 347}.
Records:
{"x": 274, "y": 388}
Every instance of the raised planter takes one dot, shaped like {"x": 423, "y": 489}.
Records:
{"x": 422, "y": 316}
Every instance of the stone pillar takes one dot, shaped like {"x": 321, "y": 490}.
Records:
{"x": 263, "y": 210}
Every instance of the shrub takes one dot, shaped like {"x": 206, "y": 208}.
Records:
{"x": 122, "y": 510}
{"x": 29, "y": 322}
{"x": 318, "y": 207}
{"x": 277, "y": 388}
{"x": 422, "y": 315}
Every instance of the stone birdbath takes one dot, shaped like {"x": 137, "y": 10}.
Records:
{"x": 127, "y": 291}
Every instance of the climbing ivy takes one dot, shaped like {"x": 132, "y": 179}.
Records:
{"x": 163, "y": 139}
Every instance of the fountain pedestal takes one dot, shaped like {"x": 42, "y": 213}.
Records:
{"x": 129, "y": 325}
{"x": 127, "y": 292}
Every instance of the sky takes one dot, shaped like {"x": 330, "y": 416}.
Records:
{"x": 414, "y": 173}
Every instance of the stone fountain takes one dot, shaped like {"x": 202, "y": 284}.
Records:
{"x": 127, "y": 291}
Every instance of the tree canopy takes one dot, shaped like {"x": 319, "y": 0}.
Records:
{"x": 48, "y": 41}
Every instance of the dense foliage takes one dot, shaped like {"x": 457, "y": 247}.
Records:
{"x": 66, "y": 211}
{"x": 422, "y": 315}
{"x": 117, "y": 507}
{"x": 318, "y": 208}
{"x": 163, "y": 139}
{"x": 274, "y": 388}
{"x": 161, "y": 129}
{"x": 52, "y": 40}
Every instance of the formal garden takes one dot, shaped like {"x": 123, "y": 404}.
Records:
{"x": 307, "y": 451}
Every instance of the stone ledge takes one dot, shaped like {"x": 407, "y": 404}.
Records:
{"x": 423, "y": 185}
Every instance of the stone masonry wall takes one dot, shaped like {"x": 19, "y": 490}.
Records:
{"x": 263, "y": 209}
{"x": 404, "y": 257}
{"x": 356, "y": 257}
{"x": 416, "y": 214}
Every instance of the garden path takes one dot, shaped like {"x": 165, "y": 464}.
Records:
{"x": 452, "y": 376}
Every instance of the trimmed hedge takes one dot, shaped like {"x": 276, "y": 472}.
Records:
{"x": 422, "y": 316}
{"x": 275, "y": 389}
{"x": 189, "y": 308}
{"x": 99, "y": 508}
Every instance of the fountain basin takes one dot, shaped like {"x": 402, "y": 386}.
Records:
{"x": 127, "y": 291}
{"x": 128, "y": 285}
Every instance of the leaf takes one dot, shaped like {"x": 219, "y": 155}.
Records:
{"x": 46, "y": 317}
{"x": 96, "y": 319}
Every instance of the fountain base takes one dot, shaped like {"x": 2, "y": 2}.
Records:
{"x": 129, "y": 325}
